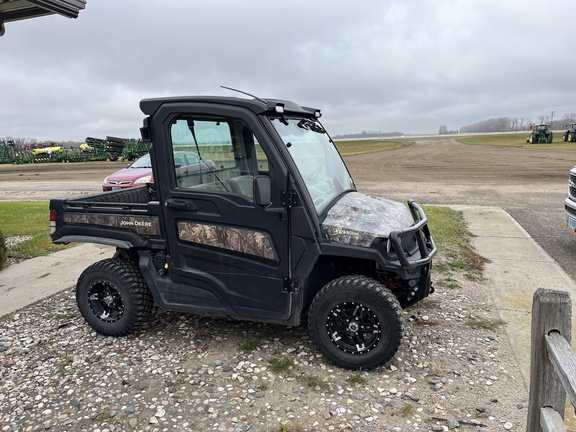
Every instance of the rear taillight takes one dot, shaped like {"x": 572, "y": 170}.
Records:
{"x": 52, "y": 221}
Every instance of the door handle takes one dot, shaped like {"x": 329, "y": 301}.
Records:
{"x": 180, "y": 204}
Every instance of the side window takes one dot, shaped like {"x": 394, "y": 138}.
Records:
{"x": 180, "y": 160}
{"x": 221, "y": 154}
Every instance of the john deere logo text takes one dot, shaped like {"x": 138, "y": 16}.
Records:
{"x": 135, "y": 223}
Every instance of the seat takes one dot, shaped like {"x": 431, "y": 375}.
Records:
{"x": 243, "y": 185}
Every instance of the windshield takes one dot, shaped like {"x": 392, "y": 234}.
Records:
{"x": 143, "y": 162}
{"x": 317, "y": 159}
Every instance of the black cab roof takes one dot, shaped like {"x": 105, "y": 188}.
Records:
{"x": 257, "y": 105}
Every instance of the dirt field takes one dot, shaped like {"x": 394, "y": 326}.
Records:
{"x": 52, "y": 180}
{"x": 433, "y": 170}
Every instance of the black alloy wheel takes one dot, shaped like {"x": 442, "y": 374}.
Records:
{"x": 356, "y": 322}
{"x": 113, "y": 297}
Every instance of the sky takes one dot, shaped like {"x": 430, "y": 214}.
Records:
{"x": 395, "y": 65}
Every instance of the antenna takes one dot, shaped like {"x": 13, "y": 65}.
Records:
{"x": 243, "y": 92}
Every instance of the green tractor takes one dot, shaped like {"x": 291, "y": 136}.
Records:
{"x": 7, "y": 152}
{"x": 540, "y": 134}
{"x": 570, "y": 134}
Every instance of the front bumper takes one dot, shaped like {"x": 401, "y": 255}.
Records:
{"x": 418, "y": 234}
{"x": 570, "y": 210}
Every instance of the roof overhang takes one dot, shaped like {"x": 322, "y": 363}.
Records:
{"x": 14, "y": 10}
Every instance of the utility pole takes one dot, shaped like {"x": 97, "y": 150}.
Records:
{"x": 552, "y": 118}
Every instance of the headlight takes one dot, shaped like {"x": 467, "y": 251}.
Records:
{"x": 106, "y": 180}
{"x": 143, "y": 180}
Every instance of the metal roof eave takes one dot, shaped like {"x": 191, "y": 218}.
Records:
{"x": 67, "y": 8}
{"x": 13, "y": 10}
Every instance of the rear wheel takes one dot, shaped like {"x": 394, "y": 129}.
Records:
{"x": 570, "y": 137}
{"x": 113, "y": 297}
{"x": 356, "y": 322}
{"x": 550, "y": 137}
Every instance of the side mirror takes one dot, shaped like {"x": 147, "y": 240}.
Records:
{"x": 262, "y": 191}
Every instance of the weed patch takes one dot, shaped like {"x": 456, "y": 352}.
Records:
{"x": 485, "y": 323}
{"x": 408, "y": 409}
{"x": 436, "y": 370}
{"x": 45, "y": 343}
{"x": 283, "y": 427}
{"x": 249, "y": 345}
{"x": 313, "y": 381}
{"x": 279, "y": 365}
{"x": 356, "y": 378}
{"x": 64, "y": 361}
{"x": 448, "y": 283}
{"x": 64, "y": 316}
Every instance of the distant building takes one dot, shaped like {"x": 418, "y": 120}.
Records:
{"x": 15, "y": 10}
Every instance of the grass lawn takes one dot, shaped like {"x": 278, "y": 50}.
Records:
{"x": 358, "y": 146}
{"x": 518, "y": 140}
{"x": 452, "y": 239}
{"x": 30, "y": 219}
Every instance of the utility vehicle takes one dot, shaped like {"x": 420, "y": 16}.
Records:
{"x": 272, "y": 231}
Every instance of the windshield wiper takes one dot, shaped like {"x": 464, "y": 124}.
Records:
{"x": 311, "y": 126}
{"x": 191, "y": 127}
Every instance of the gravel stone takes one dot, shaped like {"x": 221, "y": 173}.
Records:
{"x": 182, "y": 372}
{"x": 14, "y": 240}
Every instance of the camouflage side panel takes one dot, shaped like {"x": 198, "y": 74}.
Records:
{"x": 358, "y": 219}
{"x": 236, "y": 239}
{"x": 143, "y": 225}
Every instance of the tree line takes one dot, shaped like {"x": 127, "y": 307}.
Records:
{"x": 370, "y": 134}
{"x": 515, "y": 124}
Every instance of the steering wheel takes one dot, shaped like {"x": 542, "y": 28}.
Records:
{"x": 312, "y": 177}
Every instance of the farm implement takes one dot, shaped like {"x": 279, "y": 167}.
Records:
{"x": 94, "y": 149}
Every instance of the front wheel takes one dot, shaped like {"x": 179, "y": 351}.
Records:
{"x": 356, "y": 322}
{"x": 113, "y": 297}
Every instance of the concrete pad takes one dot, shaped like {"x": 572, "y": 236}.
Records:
{"x": 34, "y": 279}
{"x": 510, "y": 250}
{"x": 518, "y": 267}
{"x": 491, "y": 222}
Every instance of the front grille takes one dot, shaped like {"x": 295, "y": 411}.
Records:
{"x": 409, "y": 243}
{"x": 572, "y": 185}
{"x": 112, "y": 182}
{"x": 570, "y": 211}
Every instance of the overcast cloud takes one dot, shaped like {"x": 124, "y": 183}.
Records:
{"x": 395, "y": 65}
